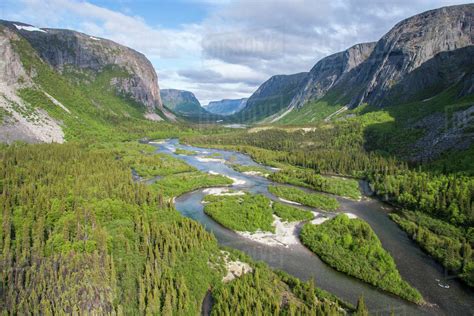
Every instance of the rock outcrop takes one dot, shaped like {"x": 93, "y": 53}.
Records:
{"x": 226, "y": 106}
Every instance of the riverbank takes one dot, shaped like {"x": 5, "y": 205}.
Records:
{"x": 413, "y": 264}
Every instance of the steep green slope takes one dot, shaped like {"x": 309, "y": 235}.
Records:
{"x": 95, "y": 110}
{"x": 311, "y": 113}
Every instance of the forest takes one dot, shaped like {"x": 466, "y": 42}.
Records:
{"x": 179, "y": 183}
{"x": 450, "y": 245}
{"x": 79, "y": 236}
{"x": 71, "y": 208}
{"x": 250, "y": 212}
{"x": 263, "y": 291}
{"x": 351, "y": 246}
{"x": 264, "y": 172}
{"x": 305, "y": 177}
{"x": 441, "y": 189}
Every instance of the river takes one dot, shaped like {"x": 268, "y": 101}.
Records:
{"x": 414, "y": 265}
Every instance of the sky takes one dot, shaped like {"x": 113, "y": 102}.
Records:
{"x": 221, "y": 48}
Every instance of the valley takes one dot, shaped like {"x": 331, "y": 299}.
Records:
{"x": 345, "y": 188}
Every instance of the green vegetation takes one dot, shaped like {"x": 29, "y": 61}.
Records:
{"x": 180, "y": 183}
{"x": 143, "y": 159}
{"x": 291, "y": 214}
{"x": 79, "y": 236}
{"x": 185, "y": 152}
{"x": 312, "y": 112}
{"x": 76, "y": 227}
{"x": 241, "y": 212}
{"x": 450, "y": 245}
{"x": 4, "y": 114}
{"x": 310, "y": 199}
{"x": 329, "y": 149}
{"x": 250, "y": 213}
{"x": 449, "y": 197}
{"x": 370, "y": 145}
{"x": 351, "y": 246}
{"x": 264, "y": 292}
{"x": 97, "y": 112}
{"x": 78, "y": 222}
{"x": 308, "y": 178}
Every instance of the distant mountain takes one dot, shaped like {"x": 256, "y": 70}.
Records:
{"x": 272, "y": 96}
{"x": 56, "y": 83}
{"x": 181, "y": 102}
{"x": 226, "y": 106}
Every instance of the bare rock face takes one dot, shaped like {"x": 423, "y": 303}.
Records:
{"x": 436, "y": 74}
{"x": 63, "y": 48}
{"x": 18, "y": 121}
{"x": 11, "y": 68}
{"x": 329, "y": 71}
{"x": 409, "y": 45}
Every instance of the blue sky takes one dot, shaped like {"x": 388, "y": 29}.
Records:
{"x": 222, "y": 48}
{"x": 168, "y": 14}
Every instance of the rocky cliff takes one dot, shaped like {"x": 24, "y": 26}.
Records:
{"x": 226, "y": 106}
{"x": 329, "y": 71}
{"x": 66, "y": 49}
{"x": 409, "y": 45}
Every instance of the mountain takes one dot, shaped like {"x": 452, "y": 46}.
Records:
{"x": 272, "y": 96}
{"x": 226, "y": 106}
{"x": 59, "y": 83}
{"x": 181, "y": 102}
{"x": 328, "y": 72}
{"x": 417, "y": 59}
{"x": 407, "y": 47}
